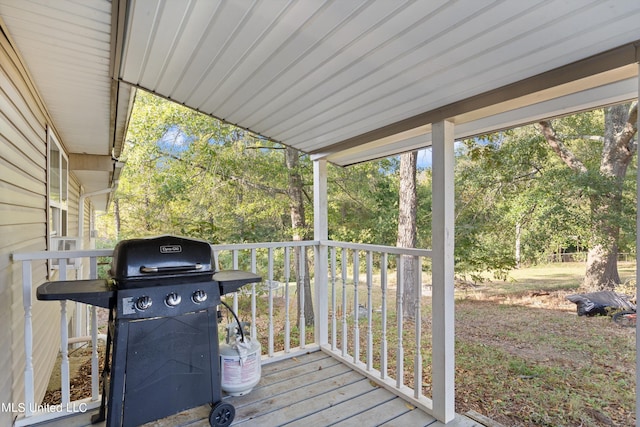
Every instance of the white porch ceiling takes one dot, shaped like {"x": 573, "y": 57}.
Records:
{"x": 318, "y": 75}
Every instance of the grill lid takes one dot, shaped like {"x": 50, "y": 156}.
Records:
{"x": 162, "y": 259}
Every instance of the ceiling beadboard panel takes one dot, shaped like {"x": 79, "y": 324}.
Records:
{"x": 323, "y": 76}
{"x": 313, "y": 73}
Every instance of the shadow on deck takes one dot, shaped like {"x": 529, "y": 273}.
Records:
{"x": 310, "y": 390}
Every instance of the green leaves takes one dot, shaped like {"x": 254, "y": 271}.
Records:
{"x": 190, "y": 174}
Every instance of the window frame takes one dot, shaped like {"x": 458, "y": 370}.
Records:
{"x": 57, "y": 189}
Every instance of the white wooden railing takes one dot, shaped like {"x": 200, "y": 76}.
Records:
{"x": 355, "y": 301}
{"x": 358, "y": 295}
{"x": 33, "y": 411}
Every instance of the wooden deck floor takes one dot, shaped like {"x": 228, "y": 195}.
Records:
{"x": 311, "y": 390}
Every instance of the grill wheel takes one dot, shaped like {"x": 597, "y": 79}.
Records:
{"x": 222, "y": 415}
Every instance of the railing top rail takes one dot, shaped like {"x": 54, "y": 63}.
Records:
{"x": 37, "y": 255}
{"x": 240, "y": 246}
{"x": 42, "y": 255}
{"x": 378, "y": 248}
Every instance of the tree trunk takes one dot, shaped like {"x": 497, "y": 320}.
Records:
{"x": 617, "y": 152}
{"x": 518, "y": 235}
{"x": 620, "y": 126}
{"x": 299, "y": 226}
{"x": 407, "y": 233}
{"x": 116, "y": 216}
{"x": 602, "y": 268}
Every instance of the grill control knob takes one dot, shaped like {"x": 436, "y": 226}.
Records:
{"x": 143, "y": 303}
{"x": 199, "y": 296}
{"x": 173, "y": 299}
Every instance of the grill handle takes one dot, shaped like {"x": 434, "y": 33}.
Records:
{"x": 171, "y": 269}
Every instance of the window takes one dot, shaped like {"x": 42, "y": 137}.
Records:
{"x": 58, "y": 187}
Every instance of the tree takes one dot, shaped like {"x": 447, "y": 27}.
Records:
{"x": 514, "y": 179}
{"x": 300, "y": 230}
{"x": 407, "y": 235}
{"x": 364, "y": 213}
{"x": 605, "y": 187}
{"x": 189, "y": 174}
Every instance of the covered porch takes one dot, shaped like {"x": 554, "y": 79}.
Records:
{"x": 345, "y": 82}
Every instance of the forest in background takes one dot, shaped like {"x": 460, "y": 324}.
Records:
{"x": 516, "y": 200}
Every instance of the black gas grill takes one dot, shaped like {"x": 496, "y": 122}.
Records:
{"x": 163, "y": 324}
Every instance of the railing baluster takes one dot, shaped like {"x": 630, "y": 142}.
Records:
{"x": 344, "y": 303}
{"x": 64, "y": 351}
{"x": 369, "y": 311}
{"x": 216, "y": 259}
{"x": 254, "y": 269}
{"x": 62, "y": 269}
{"x": 270, "y": 296}
{"x": 356, "y": 307}
{"x": 303, "y": 264}
{"x": 93, "y": 267}
{"x": 28, "y": 338}
{"x": 95, "y": 370}
{"x": 234, "y": 254}
{"x": 399, "y": 317}
{"x": 235, "y": 267}
{"x": 417, "y": 368}
{"x": 383, "y": 287}
{"x": 334, "y": 324}
{"x": 287, "y": 302}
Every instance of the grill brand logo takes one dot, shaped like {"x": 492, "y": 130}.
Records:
{"x": 170, "y": 249}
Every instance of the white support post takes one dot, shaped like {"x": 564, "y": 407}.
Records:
{"x": 321, "y": 233}
{"x": 638, "y": 263}
{"x": 443, "y": 337}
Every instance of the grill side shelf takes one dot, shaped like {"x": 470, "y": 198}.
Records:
{"x": 92, "y": 292}
{"x": 232, "y": 280}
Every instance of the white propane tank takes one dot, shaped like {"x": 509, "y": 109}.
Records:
{"x": 240, "y": 366}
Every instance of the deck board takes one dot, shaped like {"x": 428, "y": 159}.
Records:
{"x": 349, "y": 406}
{"x": 310, "y": 390}
{"x": 385, "y": 412}
{"x": 285, "y": 399}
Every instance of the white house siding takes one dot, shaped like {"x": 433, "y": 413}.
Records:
{"x": 23, "y": 228}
